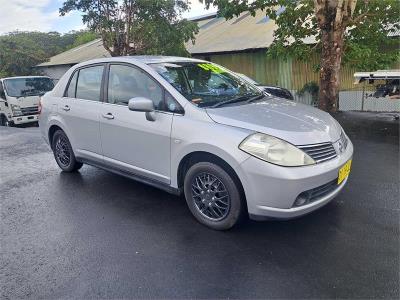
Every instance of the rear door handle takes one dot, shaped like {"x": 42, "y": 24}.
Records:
{"x": 66, "y": 108}
{"x": 108, "y": 116}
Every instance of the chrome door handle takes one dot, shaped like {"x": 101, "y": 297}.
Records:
{"x": 66, "y": 108}
{"x": 108, "y": 116}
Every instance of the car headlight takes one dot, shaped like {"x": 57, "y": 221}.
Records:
{"x": 16, "y": 110}
{"x": 274, "y": 150}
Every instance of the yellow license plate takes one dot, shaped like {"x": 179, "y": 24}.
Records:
{"x": 344, "y": 171}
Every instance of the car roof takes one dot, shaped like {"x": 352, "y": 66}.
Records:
{"x": 145, "y": 59}
{"x": 150, "y": 59}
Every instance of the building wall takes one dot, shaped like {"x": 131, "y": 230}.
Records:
{"x": 293, "y": 74}
{"x": 290, "y": 73}
{"x": 55, "y": 72}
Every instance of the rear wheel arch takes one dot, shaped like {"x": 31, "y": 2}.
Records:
{"x": 201, "y": 156}
{"x": 52, "y": 131}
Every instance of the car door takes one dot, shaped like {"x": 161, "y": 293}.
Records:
{"x": 130, "y": 142}
{"x": 80, "y": 109}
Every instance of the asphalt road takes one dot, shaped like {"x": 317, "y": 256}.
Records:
{"x": 94, "y": 234}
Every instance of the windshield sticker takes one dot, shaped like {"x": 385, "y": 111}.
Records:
{"x": 212, "y": 68}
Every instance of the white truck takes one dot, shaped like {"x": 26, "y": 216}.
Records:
{"x": 19, "y": 98}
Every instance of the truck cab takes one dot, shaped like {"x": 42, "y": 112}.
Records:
{"x": 19, "y": 98}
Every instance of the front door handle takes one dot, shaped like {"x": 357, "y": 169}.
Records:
{"x": 108, "y": 116}
{"x": 66, "y": 108}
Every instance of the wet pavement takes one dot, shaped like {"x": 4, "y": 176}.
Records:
{"x": 93, "y": 234}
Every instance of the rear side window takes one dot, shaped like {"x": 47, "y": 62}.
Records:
{"x": 89, "y": 83}
{"x": 72, "y": 86}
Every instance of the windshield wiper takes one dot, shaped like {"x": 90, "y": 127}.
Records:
{"x": 234, "y": 100}
{"x": 258, "y": 97}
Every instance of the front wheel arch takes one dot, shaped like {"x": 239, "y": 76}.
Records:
{"x": 201, "y": 156}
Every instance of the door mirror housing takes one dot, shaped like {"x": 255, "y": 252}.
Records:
{"x": 141, "y": 104}
{"x": 144, "y": 105}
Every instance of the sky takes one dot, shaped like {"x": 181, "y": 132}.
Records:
{"x": 42, "y": 15}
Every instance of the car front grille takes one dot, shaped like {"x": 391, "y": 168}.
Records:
{"x": 26, "y": 111}
{"x": 319, "y": 152}
{"x": 317, "y": 193}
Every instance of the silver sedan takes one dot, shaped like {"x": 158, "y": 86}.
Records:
{"x": 192, "y": 127}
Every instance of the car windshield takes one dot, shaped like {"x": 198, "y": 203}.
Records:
{"x": 206, "y": 84}
{"x": 31, "y": 86}
{"x": 247, "y": 78}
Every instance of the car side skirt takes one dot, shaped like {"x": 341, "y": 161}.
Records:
{"x": 154, "y": 183}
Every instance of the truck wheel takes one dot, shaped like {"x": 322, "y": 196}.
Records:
{"x": 63, "y": 152}
{"x": 213, "y": 196}
{"x": 5, "y": 122}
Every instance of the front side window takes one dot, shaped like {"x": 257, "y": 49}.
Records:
{"x": 89, "y": 83}
{"x": 127, "y": 82}
{"x": 29, "y": 86}
{"x": 206, "y": 84}
{"x": 172, "y": 105}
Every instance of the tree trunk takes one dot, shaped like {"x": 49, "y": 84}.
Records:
{"x": 329, "y": 80}
{"x": 332, "y": 17}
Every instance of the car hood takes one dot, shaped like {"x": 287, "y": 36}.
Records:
{"x": 296, "y": 123}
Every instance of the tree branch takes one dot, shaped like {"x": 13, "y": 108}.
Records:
{"x": 359, "y": 18}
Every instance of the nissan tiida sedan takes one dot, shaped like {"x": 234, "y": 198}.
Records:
{"x": 192, "y": 127}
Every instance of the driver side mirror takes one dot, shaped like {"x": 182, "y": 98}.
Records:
{"x": 144, "y": 105}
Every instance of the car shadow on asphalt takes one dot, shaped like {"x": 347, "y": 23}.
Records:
{"x": 101, "y": 188}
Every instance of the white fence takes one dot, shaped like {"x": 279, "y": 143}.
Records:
{"x": 354, "y": 100}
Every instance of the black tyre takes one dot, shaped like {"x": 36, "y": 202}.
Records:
{"x": 213, "y": 196}
{"x": 63, "y": 152}
{"x": 5, "y": 122}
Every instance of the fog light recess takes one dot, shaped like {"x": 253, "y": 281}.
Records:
{"x": 301, "y": 199}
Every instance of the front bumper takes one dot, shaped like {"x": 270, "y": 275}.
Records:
{"x": 271, "y": 190}
{"x": 25, "y": 119}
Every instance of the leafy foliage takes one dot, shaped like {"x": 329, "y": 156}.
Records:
{"x": 367, "y": 42}
{"x": 131, "y": 27}
{"x": 356, "y": 32}
{"x": 81, "y": 38}
{"x": 20, "y": 50}
{"x": 312, "y": 88}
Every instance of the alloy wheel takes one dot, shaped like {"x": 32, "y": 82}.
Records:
{"x": 62, "y": 151}
{"x": 210, "y": 196}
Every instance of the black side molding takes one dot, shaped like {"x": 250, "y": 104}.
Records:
{"x": 154, "y": 183}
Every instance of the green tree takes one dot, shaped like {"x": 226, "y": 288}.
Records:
{"x": 20, "y": 50}
{"x": 130, "y": 27}
{"x": 81, "y": 37}
{"x": 344, "y": 31}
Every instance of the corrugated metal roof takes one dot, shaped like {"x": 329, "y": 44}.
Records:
{"x": 216, "y": 35}
{"x": 91, "y": 50}
{"x": 237, "y": 34}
